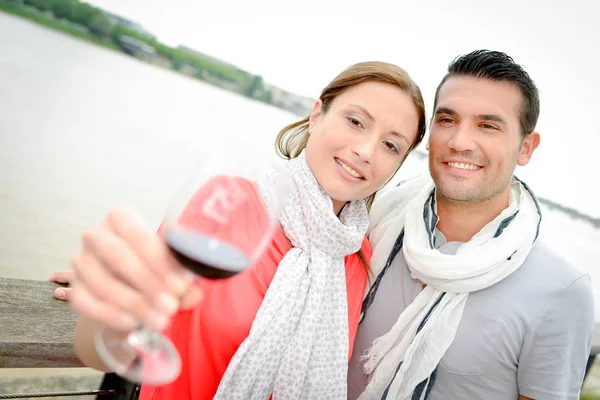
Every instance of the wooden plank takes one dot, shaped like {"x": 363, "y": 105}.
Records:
{"x": 36, "y": 330}
{"x": 48, "y": 384}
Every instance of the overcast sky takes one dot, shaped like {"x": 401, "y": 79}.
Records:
{"x": 301, "y": 45}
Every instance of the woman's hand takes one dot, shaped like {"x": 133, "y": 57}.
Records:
{"x": 64, "y": 277}
{"x": 125, "y": 276}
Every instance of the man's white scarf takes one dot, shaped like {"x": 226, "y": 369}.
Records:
{"x": 490, "y": 256}
{"x": 298, "y": 344}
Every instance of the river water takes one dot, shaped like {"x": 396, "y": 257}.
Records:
{"x": 83, "y": 129}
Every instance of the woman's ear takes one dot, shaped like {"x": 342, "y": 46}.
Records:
{"x": 315, "y": 114}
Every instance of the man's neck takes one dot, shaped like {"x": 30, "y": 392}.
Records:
{"x": 460, "y": 221}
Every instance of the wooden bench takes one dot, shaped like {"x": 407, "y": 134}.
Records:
{"x": 36, "y": 331}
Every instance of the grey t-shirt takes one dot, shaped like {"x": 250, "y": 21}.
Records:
{"x": 530, "y": 334}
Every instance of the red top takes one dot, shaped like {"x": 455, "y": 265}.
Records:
{"x": 208, "y": 336}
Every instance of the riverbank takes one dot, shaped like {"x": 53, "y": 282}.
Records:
{"x": 49, "y": 21}
{"x": 111, "y": 31}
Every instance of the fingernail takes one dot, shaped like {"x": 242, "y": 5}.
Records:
{"x": 60, "y": 293}
{"x": 156, "y": 321}
{"x": 176, "y": 283}
{"x": 166, "y": 303}
{"x": 188, "y": 275}
{"x": 129, "y": 321}
{"x": 192, "y": 299}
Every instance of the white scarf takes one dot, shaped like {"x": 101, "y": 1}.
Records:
{"x": 490, "y": 256}
{"x": 298, "y": 344}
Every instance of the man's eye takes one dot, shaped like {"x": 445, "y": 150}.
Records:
{"x": 489, "y": 126}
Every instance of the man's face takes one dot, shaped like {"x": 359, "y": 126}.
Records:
{"x": 475, "y": 140}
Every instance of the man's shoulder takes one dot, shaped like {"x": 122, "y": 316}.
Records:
{"x": 551, "y": 282}
{"x": 554, "y": 267}
{"x": 546, "y": 280}
{"x": 390, "y": 201}
{"x": 385, "y": 204}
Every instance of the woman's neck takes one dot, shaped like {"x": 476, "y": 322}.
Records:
{"x": 338, "y": 206}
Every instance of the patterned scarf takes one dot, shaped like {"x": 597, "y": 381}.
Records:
{"x": 298, "y": 344}
{"x": 402, "y": 363}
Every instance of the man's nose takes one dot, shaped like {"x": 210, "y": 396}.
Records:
{"x": 462, "y": 138}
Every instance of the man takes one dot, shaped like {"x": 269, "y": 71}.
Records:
{"x": 466, "y": 303}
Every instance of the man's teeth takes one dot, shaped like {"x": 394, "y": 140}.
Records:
{"x": 470, "y": 167}
{"x": 349, "y": 170}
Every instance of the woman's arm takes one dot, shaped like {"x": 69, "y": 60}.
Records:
{"x": 84, "y": 344}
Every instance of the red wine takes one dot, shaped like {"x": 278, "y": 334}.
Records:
{"x": 206, "y": 256}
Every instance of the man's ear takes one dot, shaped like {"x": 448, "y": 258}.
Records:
{"x": 530, "y": 143}
{"x": 315, "y": 114}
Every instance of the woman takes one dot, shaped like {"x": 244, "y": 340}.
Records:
{"x": 302, "y": 299}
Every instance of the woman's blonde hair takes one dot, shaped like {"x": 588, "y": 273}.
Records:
{"x": 293, "y": 138}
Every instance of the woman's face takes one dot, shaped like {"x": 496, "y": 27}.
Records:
{"x": 358, "y": 144}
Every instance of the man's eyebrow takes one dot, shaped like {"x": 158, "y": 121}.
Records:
{"x": 481, "y": 117}
{"x": 491, "y": 117}
{"x": 446, "y": 110}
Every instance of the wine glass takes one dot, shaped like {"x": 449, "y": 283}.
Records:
{"x": 218, "y": 225}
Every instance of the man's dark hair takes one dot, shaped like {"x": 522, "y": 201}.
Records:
{"x": 498, "y": 66}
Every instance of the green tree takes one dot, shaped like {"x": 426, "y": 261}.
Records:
{"x": 100, "y": 25}
{"x": 64, "y": 9}
{"x": 85, "y": 13}
{"x": 254, "y": 87}
{"x": 268, "y": 97}
{"x": 119, "y": 30}
{"x": 43, "y": 5}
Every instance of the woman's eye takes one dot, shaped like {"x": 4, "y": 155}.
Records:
{"x": 393, "y": 147}
{"x": 355, "y": 121}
